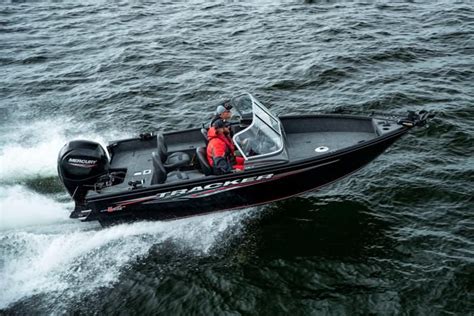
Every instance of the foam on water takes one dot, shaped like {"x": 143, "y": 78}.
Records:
{"x": 20, "y": 207}
{"x": 32, "y": 150}
{"x": 75, "y": 262}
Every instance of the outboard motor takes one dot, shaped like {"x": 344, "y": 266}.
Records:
{"x": 80, "y": 164}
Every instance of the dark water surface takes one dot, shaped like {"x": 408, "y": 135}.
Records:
{"x": 395, "y": 238}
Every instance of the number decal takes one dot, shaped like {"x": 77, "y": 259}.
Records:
{"x": 140, "y": 173}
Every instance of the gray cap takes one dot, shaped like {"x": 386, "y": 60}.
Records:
{"x": 220, "y": 109}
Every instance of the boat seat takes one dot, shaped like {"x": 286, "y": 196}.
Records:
{"x": 161, "y": 176}
{"x": 171, "y": 161}
{"x": 201, "y": 154}
{"x": 159, "y": 171}
{"x": 204, "y": 134}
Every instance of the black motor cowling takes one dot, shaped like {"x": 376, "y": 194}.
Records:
{"x": 80, "y": 164}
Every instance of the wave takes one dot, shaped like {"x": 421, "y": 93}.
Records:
{"x": 20, "y": 207}
{"x": 30, "y": 151}
{"x": 67, "y": 264}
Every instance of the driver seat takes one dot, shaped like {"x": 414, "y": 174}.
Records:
{"x": 204, "y": 134}
{"x": 201, "y": 154}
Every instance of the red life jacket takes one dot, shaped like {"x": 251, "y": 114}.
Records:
{"x": 219, "y": 146}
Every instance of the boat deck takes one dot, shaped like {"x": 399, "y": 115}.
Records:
{"x": 307, "y": 145}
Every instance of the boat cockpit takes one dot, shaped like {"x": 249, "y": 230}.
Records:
{"x": 166, "y": 158}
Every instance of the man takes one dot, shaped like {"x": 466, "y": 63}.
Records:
{"x": 220, "y": 149}
{"x": 223, "y": 112}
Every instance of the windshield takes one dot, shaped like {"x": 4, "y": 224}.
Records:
{"x": 263, "y": 137}
{"x": 243, "y": 105}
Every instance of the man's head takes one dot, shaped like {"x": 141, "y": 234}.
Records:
{"x": 221, "y": 126}
{"x": 223, "y": 110}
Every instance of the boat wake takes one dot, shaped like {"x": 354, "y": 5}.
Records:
{"x": 20, "y": 207}
{"x": 31, "y": 150}
{"x": 74, "y": 259}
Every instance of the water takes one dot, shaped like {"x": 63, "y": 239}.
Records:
{"x": 395, "y": 238}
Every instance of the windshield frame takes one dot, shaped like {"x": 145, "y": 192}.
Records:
{"x": 273, "y": 124}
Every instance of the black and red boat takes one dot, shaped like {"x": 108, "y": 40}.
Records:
{"x": 163, "y": 176}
